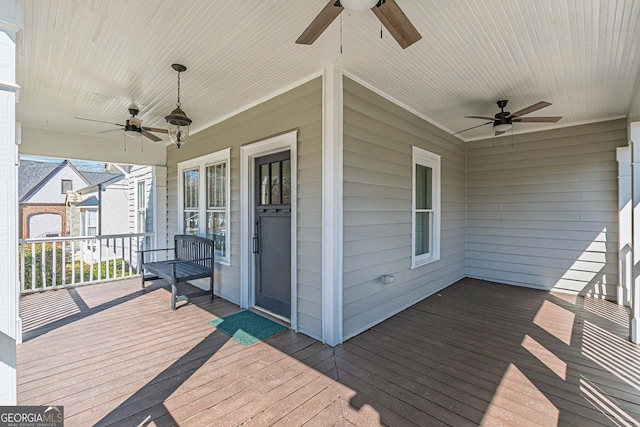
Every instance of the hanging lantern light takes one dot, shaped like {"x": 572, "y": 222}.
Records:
{"x": 178, "y": 122}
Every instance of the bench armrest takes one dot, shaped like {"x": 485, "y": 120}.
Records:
{"x": 155, "y": 250}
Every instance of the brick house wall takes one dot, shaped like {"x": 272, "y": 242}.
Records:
{"x": 26, "y": 211}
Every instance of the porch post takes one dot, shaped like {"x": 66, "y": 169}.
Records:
{"x": 635, "y": 285}
{"x": 10, "y": 24}
{"x": 332, "y": 215}
{"x": 625, "y": 263}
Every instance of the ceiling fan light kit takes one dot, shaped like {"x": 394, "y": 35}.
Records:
{"x": 178, "y": 122}
{"x": 502, "y": 127}
{"x": 358, "y": 5}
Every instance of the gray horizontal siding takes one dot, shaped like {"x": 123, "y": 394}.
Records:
{"x": 542, "y": 209}
{"x": 301, "y": 109}
{"x": 378, "y": 136}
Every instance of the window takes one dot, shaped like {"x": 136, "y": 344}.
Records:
{"x": 204, "y": 199}
{"x": 426, "y": 207}
{"x": 67, "y": 185}
{"x": 90, "y": 222}
{"x": 141, "y": 208}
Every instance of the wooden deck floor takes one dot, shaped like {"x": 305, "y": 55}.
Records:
{"x": 477, "y": 353}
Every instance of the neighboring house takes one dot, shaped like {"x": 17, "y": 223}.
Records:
{"x": 119, "y": 205}
{"x": 101, "y": 208}
{"x": 44, "y": 188}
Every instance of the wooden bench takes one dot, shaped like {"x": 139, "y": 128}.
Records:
{"x": 193, "y": 259}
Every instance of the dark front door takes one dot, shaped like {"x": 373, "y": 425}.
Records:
{"x": 272, "y": 233}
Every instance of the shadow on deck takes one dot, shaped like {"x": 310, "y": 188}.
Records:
{"x": 476, "y": 353}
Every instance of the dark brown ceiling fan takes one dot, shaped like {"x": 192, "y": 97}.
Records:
{"x": 503, "y": 121}
{"x": 387, "y": 11}
{"x": 133, "y": 126}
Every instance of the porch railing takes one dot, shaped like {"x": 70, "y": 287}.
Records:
{"x": 57, "y": 262}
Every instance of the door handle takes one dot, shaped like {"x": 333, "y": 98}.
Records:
{"x": 255, "y": 244}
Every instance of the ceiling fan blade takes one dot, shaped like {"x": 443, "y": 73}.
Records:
{"x": 99, "y": 121}
{"x": 320, "y": 23}
{"x": 537, "y": 119}
{"x": 110, "y": 130}
{"x": 484, "y": 124}
{"x": 530, "y": 109}
{"x": 156, "y": 130}
{"x": 499, "y": 132}
{"x": 480, "y": 117}
{"x": 151, "y": 136}
{"x": 397, "y": 23}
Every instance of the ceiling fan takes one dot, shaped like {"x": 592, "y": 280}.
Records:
{"x": 133, "y": 126}
{"x": 503, "y": 121}
{"x": 387, "y": 11}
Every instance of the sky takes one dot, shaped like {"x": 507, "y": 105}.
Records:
{"x": 83, "y": 165}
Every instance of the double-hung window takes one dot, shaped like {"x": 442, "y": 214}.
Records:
{"x": 204, "y": 199}
{"x": 141, "y": 206}
{"x": 89, "y": 222}
{"x": 426, "y": 207}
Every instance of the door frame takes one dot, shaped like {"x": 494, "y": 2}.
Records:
{"x": 248, "y": 154}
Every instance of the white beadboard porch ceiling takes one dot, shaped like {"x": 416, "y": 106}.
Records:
{"x": 93, "y": 58}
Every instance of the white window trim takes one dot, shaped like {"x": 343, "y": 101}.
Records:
{"x": 201, "y": 163}
{"x": 428, "y": 159}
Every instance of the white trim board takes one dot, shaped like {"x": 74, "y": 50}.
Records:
{"x": 332, "y": 206}
{"x": 275, "y": 144}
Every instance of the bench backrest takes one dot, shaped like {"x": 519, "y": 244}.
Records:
{"x": 190, "y": 248}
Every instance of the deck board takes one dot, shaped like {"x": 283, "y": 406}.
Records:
{"x": 476, "y": 353}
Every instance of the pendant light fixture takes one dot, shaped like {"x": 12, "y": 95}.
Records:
{"x": 178, "y": 122}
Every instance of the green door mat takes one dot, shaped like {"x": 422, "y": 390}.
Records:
{"x": 247, "y": 327}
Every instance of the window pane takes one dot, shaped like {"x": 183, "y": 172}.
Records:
{"x": 92, "y": 216}
{"x": 191, "y": 222}
{"x": 142, "y": 226}
{"x": 424, "y": 181}
{"x": 191, "y": 179}
{"x": 67, "y": 185}
{"x": 216, "y": 194}
{"x": 275, "y": 183}
{"x": 423, "y": 232}
{"x": 264, "y": 184}
{"x": 141, "y": 195}
{"x": 286, "y": 181}
{"x": 217, "y": 230}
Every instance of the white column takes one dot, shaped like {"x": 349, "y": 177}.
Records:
{"x": 332, "y": 215}
{"x": 10, "y": 22}
{"x": 635, "y": 286}
{"x": 625, "y": 261}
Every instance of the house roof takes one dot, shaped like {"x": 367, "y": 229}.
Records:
{"x": 32, "y": 174}
{"x": 90, "y": 202}
{"x": 579, "y": 55}
{"x": 107, "y": 180}
{"x": 96, "y": 178}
